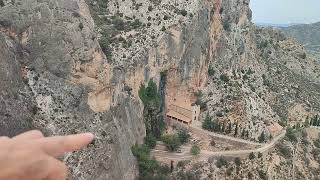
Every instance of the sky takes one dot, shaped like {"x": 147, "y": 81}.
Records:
{"x": 285, "y": 11}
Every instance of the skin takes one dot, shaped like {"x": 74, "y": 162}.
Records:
{"x": 32, "y": 156}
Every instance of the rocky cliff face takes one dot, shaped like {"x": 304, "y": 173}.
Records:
{"x": 55, "y": 77}
{"x": 77, "y": 66}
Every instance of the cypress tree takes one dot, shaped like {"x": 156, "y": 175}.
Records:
{"x": 247, "y": 134}
{"x": 236, "y": 130}
{"x": 223, "y": 128}
{"x": 243, "y": 133}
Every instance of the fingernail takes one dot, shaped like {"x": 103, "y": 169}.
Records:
{"x": 90, "y": 136}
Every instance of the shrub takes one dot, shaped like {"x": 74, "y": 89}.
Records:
{"x": 211, "y": 71}
{"x": 105, "y": 46}
{"x": 136, "y": 24}
{"x": 208, "y": 123}
{"x": 183, "y": 136}
{"x": 229, "y": 171}
{"x": 118, "y": 23}
{"x": 184, "y": 12}
{"x": 252, "y": 156}
{"x": 150, "y": 141}
{"x": 198, "y": 94}
{"x": 182, "y": 164}
{"x": 150, "y": 8}
{"x": 81, "y": 26}
{"x": 148, "y": 168}
{"x": 163, "y": 28}
{"x": 151, "y": 100}
{"x": 1, "y": 3}
{"x": 212, "y": 143}
{"x": 317, "y": 143}
{"x": 195, "y": 150}
{"x": 142, "y": 152}
{"x": 149, "y": 95}
{"x": 219, "y": 114}
{"x": 262, "y": 137}
{"x": 262, "y": 175}
{"x": 226, "y": 26}
{"x": 221, "y": 10}
{"x": 284, "y": 150}
{"x": 260, "y": 155}
{"x": 237, "y": 161}
{"x": 5, "y": 23}
{"x": 290, "y": 134}
{"x": 222, "y": 162}
{"x": 224, "y": 77}
{"x": 172, "y": 142}
{"x": 165, "y": 17}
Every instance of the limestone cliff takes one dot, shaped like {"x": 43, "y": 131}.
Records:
{"x": 55, "y": 77}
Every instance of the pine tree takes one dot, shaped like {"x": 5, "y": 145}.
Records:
{"x": 306, "y": 122}
{"x": 243, "y": 133}
{"x": 247, "y": 134}
{"x": 229, "y": 128}
{"x": 315, "y": 121}
{"x": 218, "y": 127}
{"x": 311, "y": 122}
{"x": 223, "y": 128}
{"x": 207, "y": 123}
{"x": 262, "y": 137}
{"x": 236, "y": 130}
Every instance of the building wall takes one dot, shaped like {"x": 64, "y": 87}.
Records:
{"x": 195, "y": 112}
{"x": 181, "y": 110}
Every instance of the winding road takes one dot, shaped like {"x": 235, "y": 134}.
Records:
{"x": 165, "y": 156}
{"x": 196, "y": 126}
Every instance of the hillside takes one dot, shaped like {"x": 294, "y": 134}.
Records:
{"x": 69, "y": 66}
{"x": 306, "y": 34}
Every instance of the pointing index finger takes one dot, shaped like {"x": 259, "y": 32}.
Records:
{"x": 58, "y": 145}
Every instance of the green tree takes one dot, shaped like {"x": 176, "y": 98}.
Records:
{"x": 150, "y": 141}
{"x": 252, "y": 156}
{"x": 81, "y": 26}
{"x": 306, "y": 122}
{"x": 237, "y": 161}
{"x": 290, "y": 134}
{"x": 223, "y": 127}
{"x": 262, "y": 137}
{"x": 184, "y": 12}
{"x": 236, "y": 130}
{"x": 151, "y": 99}
{"x": 207, "y": 123}
{"x": 229, "y": 128}
{"x": 247, "y": 133}
{"x": 183, "y": 136}
{"x": 222, "y": 162}
{"x": 211, "y": 71}
{"x": 172, "y": 142}
{"x": 243, "y": 133}
{"x": 1, "y": 3}
{"x": 195, "y": 150}
{"x": 225, "y": 78}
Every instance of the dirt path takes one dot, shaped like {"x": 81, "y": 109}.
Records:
{"x": 196, "y": 128}
{"x": 165, "y": 156}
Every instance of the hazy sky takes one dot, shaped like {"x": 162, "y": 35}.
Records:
{"x": 285, "y": 11}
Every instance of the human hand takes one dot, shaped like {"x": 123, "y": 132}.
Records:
{"x": 31, "y": 156}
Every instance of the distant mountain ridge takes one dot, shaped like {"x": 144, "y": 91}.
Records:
{"x": 306, "y": 34}
{"x": 275, "y": 25}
